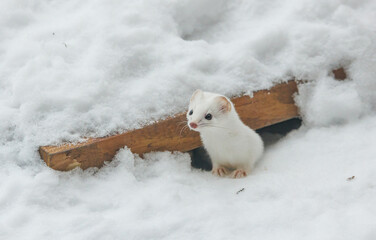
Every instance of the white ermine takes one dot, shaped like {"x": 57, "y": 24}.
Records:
{"x": 233, "y": 147}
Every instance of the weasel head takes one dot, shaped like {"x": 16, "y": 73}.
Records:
{"x": 208, "y": 111}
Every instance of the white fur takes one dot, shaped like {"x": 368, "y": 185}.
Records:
{"x": 231, "y": 144}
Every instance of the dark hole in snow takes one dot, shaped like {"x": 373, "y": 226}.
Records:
{"x": 270, "y": 135}
{"x": 200, "y": 159}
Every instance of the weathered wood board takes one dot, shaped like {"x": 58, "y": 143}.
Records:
{"x": 265, "y": 108}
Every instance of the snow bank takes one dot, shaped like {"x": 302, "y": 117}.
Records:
{"x": 91, "y": 68}
{"x": 299, "y": 190}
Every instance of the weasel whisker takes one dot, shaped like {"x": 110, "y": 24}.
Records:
{"x": 183, "y": 129}
{"x": 211, "y": 125}
{"x": 182, "y": 122}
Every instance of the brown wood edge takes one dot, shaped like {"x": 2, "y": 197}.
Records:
{"x": 265, "y": 108}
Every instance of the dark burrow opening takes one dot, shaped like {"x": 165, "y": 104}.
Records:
{"x": 270, "y": 135}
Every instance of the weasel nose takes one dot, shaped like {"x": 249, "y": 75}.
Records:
{"x": 193, "y": 125}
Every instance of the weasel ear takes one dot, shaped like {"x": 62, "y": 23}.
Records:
{"x": 198, "y": 92}
{"x": 224, "y": 104}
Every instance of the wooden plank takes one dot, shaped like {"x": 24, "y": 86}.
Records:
{"x": 265, "y": 108}
{"x": 339, "y": 74}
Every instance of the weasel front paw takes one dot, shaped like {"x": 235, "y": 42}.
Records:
{"x": 238, "y": 173}
{"x": 220, "y": 172}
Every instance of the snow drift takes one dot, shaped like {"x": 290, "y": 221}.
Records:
{"x": 92, "y": 68}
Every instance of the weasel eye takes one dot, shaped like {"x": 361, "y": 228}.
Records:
{"x": 191, "y": 112}
{"x": 208, "y": 116}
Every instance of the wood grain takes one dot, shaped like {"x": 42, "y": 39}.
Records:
{"x": 265, "y": 108}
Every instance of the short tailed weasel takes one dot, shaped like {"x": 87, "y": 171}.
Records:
{"x": 232, "y": 146}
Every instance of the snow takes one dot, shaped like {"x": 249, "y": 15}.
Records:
{"x": 91, "y": 68}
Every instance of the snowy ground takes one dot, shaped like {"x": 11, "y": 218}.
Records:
{"x": 91, "y": 68}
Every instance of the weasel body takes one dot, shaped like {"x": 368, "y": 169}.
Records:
{"x": 233, "y": 147}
